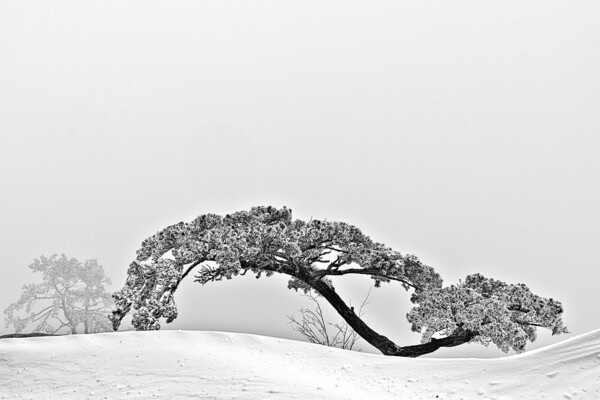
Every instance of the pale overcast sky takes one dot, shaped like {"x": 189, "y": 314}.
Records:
{"x": 464, "y": 132}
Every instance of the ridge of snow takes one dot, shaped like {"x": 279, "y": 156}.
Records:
{"x": 217, "y": 365}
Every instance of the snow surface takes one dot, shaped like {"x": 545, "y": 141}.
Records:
{"x": 214, "y": 365}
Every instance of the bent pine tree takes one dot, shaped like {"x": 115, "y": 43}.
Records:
{"x": 265, "y": 240}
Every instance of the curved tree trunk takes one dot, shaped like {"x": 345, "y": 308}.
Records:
{"x": 457, "y": 338}
{"x": 380, "y": 342}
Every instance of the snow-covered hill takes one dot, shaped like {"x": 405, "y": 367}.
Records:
{"x": 212, "y": 365}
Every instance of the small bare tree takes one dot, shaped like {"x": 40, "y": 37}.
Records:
{"x": 313, "y": 326}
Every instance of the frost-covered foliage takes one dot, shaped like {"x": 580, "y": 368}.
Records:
{"x": 263, "y": 240}
{"x": 266, "y": 240}
{"x": 500, "y": 313}
{"x": 71, "y": 293}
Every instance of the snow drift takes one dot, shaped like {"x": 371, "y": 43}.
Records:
{"x": 213, "y": 365}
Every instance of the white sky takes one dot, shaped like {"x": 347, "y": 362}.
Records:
{"x": 466, "y": 133}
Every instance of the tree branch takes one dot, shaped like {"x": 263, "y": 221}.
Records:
{"x": 35, "y": 315}
{"x": 187, "y": 271}
{"x": 457, "y": 338}
{"x": 362, "y": 271}
{"x": 529, "y": 323}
